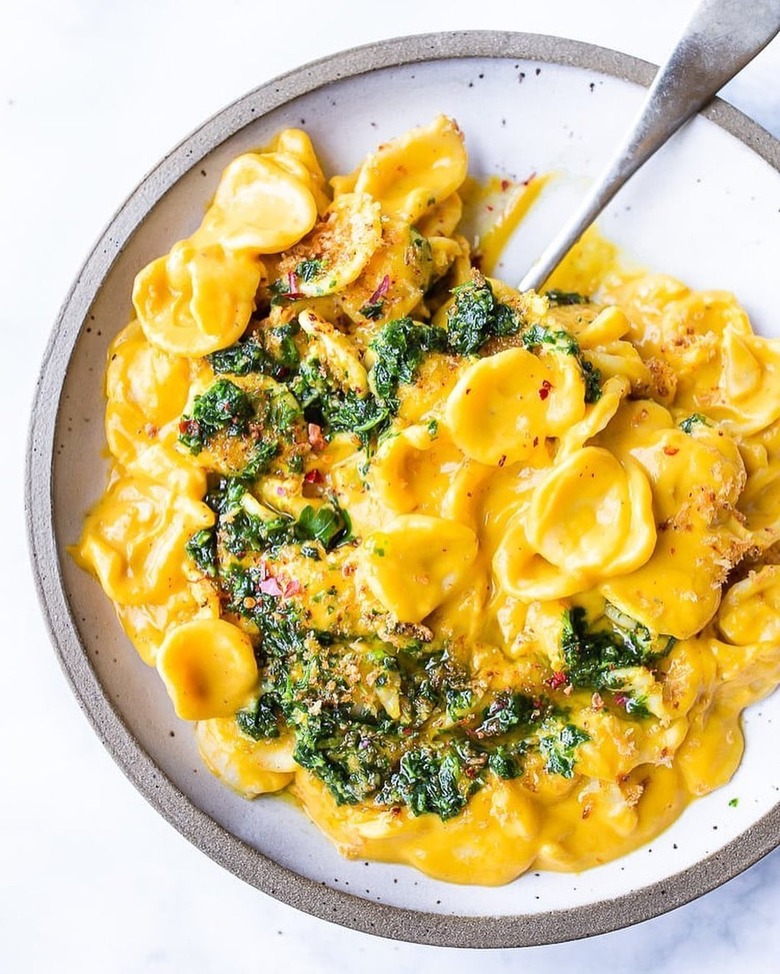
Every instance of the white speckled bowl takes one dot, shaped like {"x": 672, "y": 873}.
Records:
{"x": 705, "y": 209}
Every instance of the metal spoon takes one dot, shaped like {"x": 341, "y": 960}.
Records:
{"x": 719, "y": 40}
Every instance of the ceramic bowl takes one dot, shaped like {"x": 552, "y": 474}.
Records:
{"x": 705, "y": 209}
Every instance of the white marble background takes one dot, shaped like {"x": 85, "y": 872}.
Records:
{"x": 92, "y": 881}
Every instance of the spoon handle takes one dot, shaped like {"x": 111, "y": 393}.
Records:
{"x": 719, "y": 40}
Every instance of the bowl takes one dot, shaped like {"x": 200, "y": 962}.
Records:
{"x": 705, "y": 209}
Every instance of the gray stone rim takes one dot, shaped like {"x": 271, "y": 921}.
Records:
{"x": 265, "y": 874}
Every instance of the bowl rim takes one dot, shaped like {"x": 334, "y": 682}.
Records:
{"x": 244, "y": 861}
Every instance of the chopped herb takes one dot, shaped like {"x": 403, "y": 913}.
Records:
{"x": 558, "y": 747}
{"x": 261, "y": 720}
{"x": 560, "y": 340}
{"x": 634, "y": 706}
{"x": 592, "y": 656}
{"x": 287, "y": 356}
{"x": 242, "y": 358}
{"x": 506, "y": 761}
{"x": 353, "y": 414}
{"x": 400, "y": 347}
{"x": 695, "y": 419}
{"x": 261, "y": 456}
{"x": 338, "y": 411}
{"x": 372, "y": 310}
{"x": 733, "y": 803}
{"x": 435, "y": 780}
{"x": 566, "y": 297}
{"x": 295, "y": 463}
{"x": 222, "y": 407}
{"x": 308, "y": 270}
{"x": 459, "y": 701}
{"x": 477, "y": 316}
{"x": 329, "y": 525}
{"x": 202, "y": 548}
{"x": 271, "y": 353}
{"x": 284, "y": 289}
{"x": 506, "y": 712}
{"x": 241, "y": 532}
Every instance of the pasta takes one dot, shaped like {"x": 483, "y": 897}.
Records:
{"x": 484, "y": 579}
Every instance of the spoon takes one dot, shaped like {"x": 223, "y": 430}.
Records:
{"x": 719, "y": 40}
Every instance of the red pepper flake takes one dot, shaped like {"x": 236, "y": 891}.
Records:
{"x": 544, "y": 390}
{"x": 151, "y": 430}
{"x": 621, "y": 699}
{"x": 381, "y": 291}
{"x": 529, "y": 179}
{"x": 670, "y": 451}
{"x": 505, "y": 184}
{"x": 557, "y": 680}
{"x": 270, "y": 586}
{"x": 502, "y": 460}
{"x": 189, "y": 427}
{"x": 313, "y": 477}
{"x": 489, "y": 208}
{"x": 316, "y": 439}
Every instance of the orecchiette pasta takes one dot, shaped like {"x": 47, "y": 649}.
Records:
{"x": 483, "y": 579}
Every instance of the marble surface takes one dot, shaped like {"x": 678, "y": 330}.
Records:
{"x": 92, "y": 94}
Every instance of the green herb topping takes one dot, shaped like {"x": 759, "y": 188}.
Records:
{"x": 559, "y": 340}
{"x": 477, "y": 316}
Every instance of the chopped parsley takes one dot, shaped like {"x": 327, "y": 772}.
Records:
{"x": 436, "y": 780}
{"x": 695, "y": 419}
{"x": 309, "y": 270}
{"x": 593, "y": 657}
{"x": 373, "y": 310}
{"x": 202, "y": 548}
{"x": 260, "y": 721}
{"x": 239, "y": 532}
{"x": 560, "y": 340}
{"x": 400, "y": 347}
{"x": 477, "y": 315}
{"x": 271, "y": 353}
{"x": 560, "y": 298}
{"x": 506, "y": 712}
{"x": 559, "y": 746}
{"x": 245, "y": 431}
{"x": 222, "y": 407}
